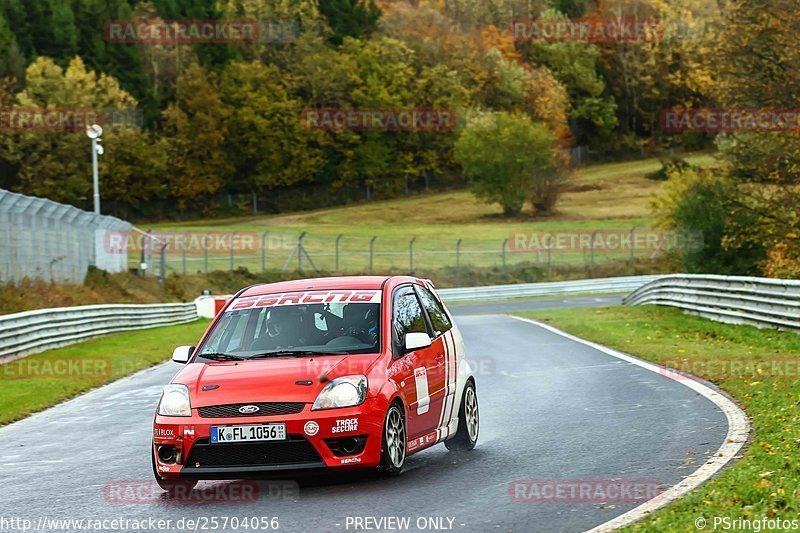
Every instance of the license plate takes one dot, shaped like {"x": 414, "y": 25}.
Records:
{"x": 224, "y": 434}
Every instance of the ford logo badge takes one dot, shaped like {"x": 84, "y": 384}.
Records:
{"x": 249, "y": 409}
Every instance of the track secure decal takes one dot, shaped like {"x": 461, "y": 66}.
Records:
{"x": 345, "y": 425}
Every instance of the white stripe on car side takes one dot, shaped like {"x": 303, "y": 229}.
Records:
{"x": 455, "y": 362}
{"x": 441, "y": 414}
{"x": 447, "y": 404}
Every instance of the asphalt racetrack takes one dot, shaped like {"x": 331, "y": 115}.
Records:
{"x": 551, "y": 409}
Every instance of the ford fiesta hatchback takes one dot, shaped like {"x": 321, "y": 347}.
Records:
{"x": 338, "y": 373}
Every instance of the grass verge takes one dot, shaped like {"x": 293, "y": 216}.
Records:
{"x": 42, "y": 380}
{"x": 608, "y": 197}
{"x": 759, "y": 368}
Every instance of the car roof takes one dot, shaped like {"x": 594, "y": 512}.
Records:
{"x": 318, "y": 284}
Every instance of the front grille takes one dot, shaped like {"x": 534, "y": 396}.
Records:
{"x": 295, "y": 450}
{"x": 264, "y": 409}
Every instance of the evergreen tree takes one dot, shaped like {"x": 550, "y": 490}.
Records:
{"x": 350, "y": 18}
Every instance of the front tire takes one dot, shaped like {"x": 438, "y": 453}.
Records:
{"x": 393, "y": 450}
{"x": 468, "y": 421}
{"x": 173, "y": 487}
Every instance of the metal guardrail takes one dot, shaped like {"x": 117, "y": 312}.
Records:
{"x": 760, "y": 302}
{"x": 35, "y": 331}
{"x": 554, "y": 288}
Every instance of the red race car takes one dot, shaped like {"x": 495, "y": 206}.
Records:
{"x": 343, "y": 373}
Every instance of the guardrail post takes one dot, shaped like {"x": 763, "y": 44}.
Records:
{"x": 411, "y": 254}
{"x": 338, "y": 238}
{"x": 233, "y": 240}
{"x": 163, "y": 267}
{"x": 143, "y": 263}
{"x": 205, "y": 249}
{"x": 300, "y": 251}
{"x": 371, "y": 251}
{"x": 505, "y": 243}
{"x": 183, "y": 252}
{"x": 458, "y": 254}
{"x": 264, "y": 251}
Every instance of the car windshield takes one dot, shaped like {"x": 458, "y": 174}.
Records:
{"x": 294, "y": 330}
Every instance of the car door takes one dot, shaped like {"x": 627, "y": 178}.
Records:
{"x": 417, "y": 372}
{"x": 444, "y": 348}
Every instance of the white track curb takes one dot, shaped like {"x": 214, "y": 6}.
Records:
{"x": 738, "y": 432}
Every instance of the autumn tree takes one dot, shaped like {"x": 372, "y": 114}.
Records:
{"x": 755, "y": 191}
{"x": 55, "y": 163}
{"x": 506, "y": 156}
{"x": 266, "y": 143}
{"x": 759, "y": 68}
{"x": 576, "y": 66}
{"x": 196, "y": 126}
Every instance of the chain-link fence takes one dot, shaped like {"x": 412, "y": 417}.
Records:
{"x": 286, "y": 250}
{"x": 43, "y": 239}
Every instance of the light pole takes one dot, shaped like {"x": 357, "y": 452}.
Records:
{"x": 94, "y": 132}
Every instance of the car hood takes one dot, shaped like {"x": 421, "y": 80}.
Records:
{"x": 267, "y": 380}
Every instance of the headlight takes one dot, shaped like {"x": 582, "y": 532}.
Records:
{"x": 342, "y": 392}
{"x": 175, "y": 401}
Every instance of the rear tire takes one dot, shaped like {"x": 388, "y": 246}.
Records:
{"x": 393, "y": 449}
{"x": 173, "y": 487}
{"x": 468, "y": 421}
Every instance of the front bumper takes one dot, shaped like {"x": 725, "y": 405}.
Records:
{"x": 315, "y": 439}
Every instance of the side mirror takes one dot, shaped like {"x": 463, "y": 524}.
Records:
{"x": 181, "y": 354}
{"x": 415, "y": 341}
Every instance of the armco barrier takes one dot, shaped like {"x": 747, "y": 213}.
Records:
{"x": 554, "y": 288}
{"x": 35, "y": 331}
{"x": 761, "y": 302}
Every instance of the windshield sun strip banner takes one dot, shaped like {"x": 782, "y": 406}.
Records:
{"x": 306, "y": 297}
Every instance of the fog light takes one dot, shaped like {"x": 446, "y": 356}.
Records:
{"x": 347, "y": 445}
{"x": 167, "y": 454}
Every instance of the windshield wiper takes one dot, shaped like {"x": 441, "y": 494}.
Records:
{"x": 216, "y": 356}
{"x": 293, "y": 353}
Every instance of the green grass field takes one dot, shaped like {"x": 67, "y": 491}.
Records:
{"x": 766, "y": 481}
{"x": 612, "y": 196}
{"x": 42, "y": 380}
